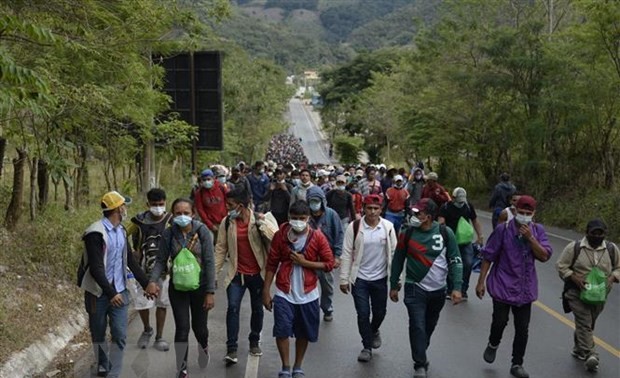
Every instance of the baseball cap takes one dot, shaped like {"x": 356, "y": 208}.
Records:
{"x": 526, "y": 202}
{"x": 398, "y": 178}
{"x": 425, "y": 205}
{"x": 341, "y": 178}
{"x": 113, "y": 200}
{"x": 206, "y": 173}
{"x": 432, "y": 176}
{"x": 373, "y": 199}
{"x": 359, "y": 172}
{"x": 596, "y": 224}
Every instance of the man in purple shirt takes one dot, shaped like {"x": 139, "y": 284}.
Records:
{"x": 512, "y": 250}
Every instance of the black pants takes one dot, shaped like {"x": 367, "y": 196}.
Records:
{"x": 521, "y": 316}
{"x": 182, "y": 303}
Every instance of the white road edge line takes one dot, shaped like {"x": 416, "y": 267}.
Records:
{"x": 251, "y": 368}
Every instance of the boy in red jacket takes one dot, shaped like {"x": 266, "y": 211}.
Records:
{"x": 297, "y": 251}
{"x": 210, "y": 202}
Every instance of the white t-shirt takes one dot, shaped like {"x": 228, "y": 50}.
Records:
{"x": 437, "y": 275}
{"x": 297, "y": 294}
{"x": 373, "y": 265}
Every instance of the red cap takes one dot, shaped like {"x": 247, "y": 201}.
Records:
{"x": 425, "y": 205}
{"x": 373, "y": 199}
{"x": 526, "y": 202}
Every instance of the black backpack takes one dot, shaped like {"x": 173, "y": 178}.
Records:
{"x": 569, "y": 284}
{"x": 148, "y": 238}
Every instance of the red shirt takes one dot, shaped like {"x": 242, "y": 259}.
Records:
{"x": 246, "y": 262}
{"x": 211, "y": 204}
{"x": 397, "y": 199}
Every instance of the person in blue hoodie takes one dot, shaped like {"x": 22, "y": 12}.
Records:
{"x": 327, "y": 220}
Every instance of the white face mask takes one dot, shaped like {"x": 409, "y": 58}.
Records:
{"x": 208, "y": 184}
{"x": 157, "y": 211}
{"x": 415, "y": 222}
{"x": 298, "y": 225}
{"x": 524, "y": 219}
{"x": 222, "y": 180}
{"x": 315, "y": 206}
{"x": 341, "y": 187}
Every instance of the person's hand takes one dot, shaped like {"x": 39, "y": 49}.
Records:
{"x": 298, "y": 258}
{"x": 209, "y": 302}
{"x": 610, "y": 281}
{"x": 344, "y": 288}
{"x": 578, "y": 280}
{"x": 394, "y": 295}
{"x": 267, "y": 300}
{"x": 480, "y": 240}
{"x": 337, "y": 263}
{"x": 259, "y": 216}
{"x": 525, "y": 231}
{"x": 117, "y": 300}
{"x": 152, "y": 290}
{"x": 272, "y": 186}
{"x": 480, "y": 290}
{"x": 456, "y": 297}
{"x": 214, "y": 228}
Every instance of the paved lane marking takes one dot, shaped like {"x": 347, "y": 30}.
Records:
{"x": 314, "y": 130}
{"x": 615, "y": 352}
{"x": 251, "y": 368}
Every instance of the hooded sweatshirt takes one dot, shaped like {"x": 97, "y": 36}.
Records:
{"x": 328, "y": 222}
{"x": 499, "y": 199}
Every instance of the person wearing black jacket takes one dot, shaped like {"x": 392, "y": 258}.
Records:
{"x": 186, "y": 232}
{"x": 103, "y": 276}
{"x": 279, "y": 197}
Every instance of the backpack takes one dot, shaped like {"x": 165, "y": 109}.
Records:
{"x": 148, "y": 238}
{"x": 569, "y": 284}
{"x": 186, "y": 269}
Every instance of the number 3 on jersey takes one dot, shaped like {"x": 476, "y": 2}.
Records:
{"x": 438, "y": 245}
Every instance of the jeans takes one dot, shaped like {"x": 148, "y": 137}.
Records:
{"x": 423, "y": 308}
{"x": 234, "y": 292}
{"x": 367, "y": 293}
{"x": 326, "y": 279}
{"x": 99, "y": 312}
{"x": 467, "y": 256}
{"x": 522, "y": 321}
{"x": 183, "y": 303}
{"x": 396, "y": 219}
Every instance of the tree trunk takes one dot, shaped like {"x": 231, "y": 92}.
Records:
{"x": 14, "y": 211}
{"x": 43, "y": 182}
{"x": 81, "y": 185}
{"x": 68, "y": 196}
{"x": 32, "y": 204}
{"x": 2, "y": 152}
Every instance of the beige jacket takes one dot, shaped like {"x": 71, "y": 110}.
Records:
{"x": 260, "y": 236}
{"x": 588, "y": 257}
{"x": 352, "y": 255}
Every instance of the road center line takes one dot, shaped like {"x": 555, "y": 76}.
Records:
{"x": 615, "y": 352}
{"x": 251, "y": 368}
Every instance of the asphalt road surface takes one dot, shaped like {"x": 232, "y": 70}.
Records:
{"x": 306, "y": 125}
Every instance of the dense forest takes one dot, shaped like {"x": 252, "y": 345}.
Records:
{"x": 496, "y": 86}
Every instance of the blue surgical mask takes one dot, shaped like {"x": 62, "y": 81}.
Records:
{"x": 298, "y": 225}
{"x": 208, "y": 184}
{"x": 182, "y": 220}
{"x": 222, "y": 180}
{"x": 296, "y": 182}
{"x": 234, "y": 213}
{"x": 315, "y": 206}
{"x": 341, "y": 187}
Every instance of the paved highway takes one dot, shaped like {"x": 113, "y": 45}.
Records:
{"x": 305, "y": 124}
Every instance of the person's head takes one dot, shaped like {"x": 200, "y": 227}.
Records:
{"x": 298, "y": 215}
{"x": 359, "y": 174}
{"x": 525, "y": 209}
{"x": 221, "y": 177}
{"x": 305, "y": 176}
{"x": 235, "y": 173}
{"x": 398, "y": 181}
{"x": 280, "y": 176}
{"x": 418, "y": 174}
{"x": 207, "y": 179}
{"x": 401, "y": 171}
{"x": 460, "y": 197}
{"x": 373, "y": 204}
{"x": 156, "y": 201}
{"x": 237, "y": 201}
{"x": 596, "y": 231}
{"x": 259, "y": 167}
{"x": 183, "y": 211}
{"x": 341, "y": 182}
{"x": 294, "y": 174}
{"x": 372, "y": 173}
{"x": 114, "y": 206}
{"x": 504, "y": 177}
{"x": 432, "y": 178}
{"x": 423, "y": 213}
{"x": 513, "y": 199}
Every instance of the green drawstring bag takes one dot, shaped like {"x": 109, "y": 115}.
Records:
{"x": 464, "y": 231}
{"x": 595, "y": 291}
{"x": 185, "y": 271}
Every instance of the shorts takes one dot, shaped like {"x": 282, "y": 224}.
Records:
{"x": 296, "y": 320}
{"x": 140, "y": 302}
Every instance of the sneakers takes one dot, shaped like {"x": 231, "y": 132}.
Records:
{"x": 145, "y": 338}
{"x": 591, "y": 363}
{"x": 231, "y": 358}
{"x": 328, "y": 317}
{"x": 161, "y": 345}
{"x": 298, "y": 373}
{"x": 489, "y": 353}
{"x": 99, "y": 371}
{"x": 519, "y": 372}
{"x": 284, "y": 374}
{"x": 419, "y": 372}
{"x": 448, "y": 297}
{"x": 183, "y": 374}
{"x": 365, "y": 355}
{"x": 464, "y": 297}
{"x": 255, "y": 351}
{"x": 581, "y": 356}
{"x": 376, "y": 340}
{"x": 203, "y": 357}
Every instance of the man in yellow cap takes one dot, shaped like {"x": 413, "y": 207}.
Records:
{"x": 103, "y": 276}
